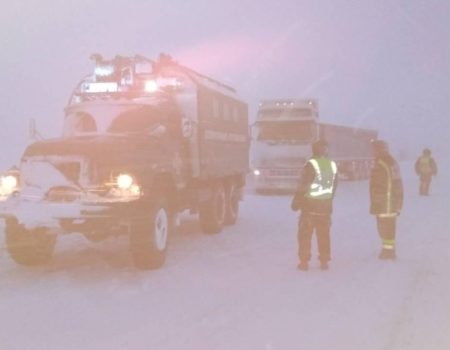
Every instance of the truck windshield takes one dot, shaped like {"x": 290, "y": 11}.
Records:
{"x": 285, "y": 131}
{"x": 286, "y": 113}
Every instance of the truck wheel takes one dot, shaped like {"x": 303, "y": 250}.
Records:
{"x": 149, "y": 238}
{"x": 28, "y": 247}
{"x": 232, "y": 197}
{"x": 212, "y": 212}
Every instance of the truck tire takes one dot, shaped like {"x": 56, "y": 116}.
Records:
{"x": 212, "y": 212}
{"x": 232, "y": 198}
{"x": 28, "y": 247}
{"x": 149, "y": 237}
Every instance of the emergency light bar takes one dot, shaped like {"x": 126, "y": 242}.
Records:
{"x": 104, "y": 70}
{"x": 154, "y": 85}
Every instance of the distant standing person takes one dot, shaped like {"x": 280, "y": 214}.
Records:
{"x": 314, "y": 198}
{"x": 425, "y": 168}
{"x": 386, "y": 196}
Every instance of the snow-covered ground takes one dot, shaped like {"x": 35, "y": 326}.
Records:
{"x": 241, "y": 289}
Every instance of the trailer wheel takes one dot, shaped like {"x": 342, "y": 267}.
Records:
{"x": 149, "y": 237}
{"x": 232, "y": 197}
{"x": 28, "y": 247}
{"x": 353, "y": 172}
{"x": 366, "y": 171}
{"x": 212, "y": 212}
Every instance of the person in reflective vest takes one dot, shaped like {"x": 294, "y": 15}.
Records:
{"x": 386, "y": 197}
{"x": 426, "y": 168}
{"x": 314, "y": 198}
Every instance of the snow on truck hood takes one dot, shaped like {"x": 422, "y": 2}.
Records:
{"x": 39, "y": 176}
{"x": 82, "y": 145}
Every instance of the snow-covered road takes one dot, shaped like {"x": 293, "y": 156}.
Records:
{"x": 241, "y": 289}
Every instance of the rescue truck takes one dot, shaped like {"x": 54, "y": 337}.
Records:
{"x": 143, "y": 141}
{"x": 282, "y": 136}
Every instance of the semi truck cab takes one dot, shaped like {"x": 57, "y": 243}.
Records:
{"x": 281, "y": 139}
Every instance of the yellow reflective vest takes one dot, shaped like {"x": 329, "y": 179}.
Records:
{"x": 323, "y": 185}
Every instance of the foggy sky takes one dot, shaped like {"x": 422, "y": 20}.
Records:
{"x": 381, "y": 64}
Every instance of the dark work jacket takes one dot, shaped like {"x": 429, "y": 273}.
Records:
{"x": 311, "y": 205}
{"x": 386, "y": 187}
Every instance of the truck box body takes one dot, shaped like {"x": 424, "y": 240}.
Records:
{"x": 223, "y": 134}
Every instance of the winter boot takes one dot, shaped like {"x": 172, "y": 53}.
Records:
{"x": 384, "y": 254}
{"x": 391, "y": 255}
{"x": 324, "y": 265}
{"x": 387, "y": 254}
{"x": 303, "y": 266}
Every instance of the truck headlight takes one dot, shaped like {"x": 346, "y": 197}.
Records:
{"x": 256, "y": 172}
{"x": 8, "y": 184}
{"x": 124, "y": 181}
{"x": 125, "y": 186}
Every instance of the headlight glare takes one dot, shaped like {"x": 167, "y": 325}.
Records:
{"x": 124, "y": 181}
{"x": 8, "y": 185}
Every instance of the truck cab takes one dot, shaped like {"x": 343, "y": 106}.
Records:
{"x": 142, "y": 141}
{"x": 281, "y": 139}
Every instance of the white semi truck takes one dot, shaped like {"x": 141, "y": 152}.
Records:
{"x": 281, "y": 143}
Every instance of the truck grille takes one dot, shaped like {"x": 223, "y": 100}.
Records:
{"x": 63, "y": 194}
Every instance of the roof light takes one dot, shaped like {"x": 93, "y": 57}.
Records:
{"x": 104, "y": 70}
{"x": 151, "y": 86}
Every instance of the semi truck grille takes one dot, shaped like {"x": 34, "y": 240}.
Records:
{"x": 284, "y": 172}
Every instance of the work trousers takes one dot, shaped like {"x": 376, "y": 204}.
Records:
{"x": 386, "y": 229}
{"x": 425, "y": 181}
{"x": 308, "y": 224}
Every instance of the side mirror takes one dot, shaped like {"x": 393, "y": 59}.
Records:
{"x": 33, "y": 133}
{"x": 252, "y": 130}
{"x": 186, "y": 127}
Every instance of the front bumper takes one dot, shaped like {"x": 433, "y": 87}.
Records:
{"x": 49, "y": 214}
{"x": 275, "y": 183}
